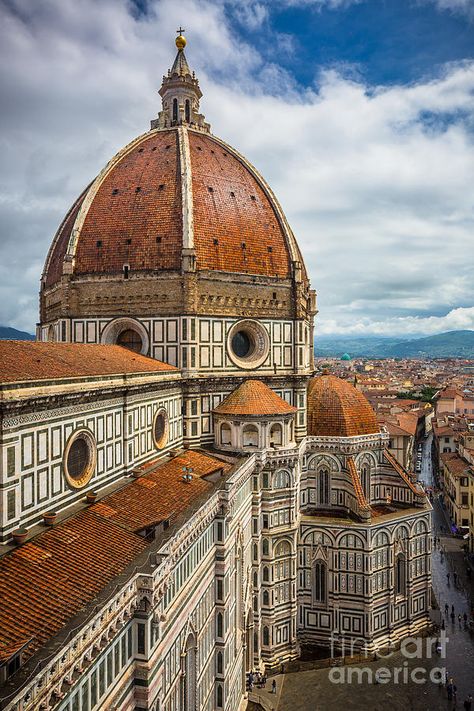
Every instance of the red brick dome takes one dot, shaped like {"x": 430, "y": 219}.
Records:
{"x": 337, "y": 409}
{"x": 169, "y": 190}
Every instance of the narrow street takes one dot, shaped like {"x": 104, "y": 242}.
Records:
{"x": 448, "y": 558}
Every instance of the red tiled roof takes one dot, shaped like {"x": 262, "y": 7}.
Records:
{"x": 252, "y": 397}
{"x": 359, "y": 492}
{"x": 35, "y": 360}
{"x": 455, "y": 463}
{"x": 161, "y": 493}
{"x": 337, "y": 409}
{"x": 390, "y": 459}
{"x": 48, "y": 580}
{"x": 135, "y": 217}
{"x": 236, "y": 211}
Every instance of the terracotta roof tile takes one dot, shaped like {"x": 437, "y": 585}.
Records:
{"x": 35, "y": 360}
{"x": 135, "y": 217}
{"x": 231, "y": 206}
{"x": 337, "y": 409}
{"x": 161, "y": 493}
{"x": 253, "y": 397}
{"x": 48, "y": 580}
{"x": 455, "y": 463}
{"x": 359, "y": 492}
{"x": 390, "y": 459}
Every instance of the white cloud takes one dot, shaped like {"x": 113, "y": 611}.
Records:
{"x": 376, "y": 181}
{"x": 456, "y": 320}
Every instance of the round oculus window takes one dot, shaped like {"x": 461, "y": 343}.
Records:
{"x": 248, "y": 344}
{"x": 160, "y": 428}
{"x": 79, "y": 458}
{"x": 242, "y": 344}
{"x": 130, "y": 339}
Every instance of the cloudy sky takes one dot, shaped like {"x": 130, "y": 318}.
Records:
{"x": 360, "y": 114}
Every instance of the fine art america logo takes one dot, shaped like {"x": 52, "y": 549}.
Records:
{"x": 411, "y": 648}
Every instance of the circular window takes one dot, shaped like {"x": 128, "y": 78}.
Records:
{"x": 248, "y": 344}
{"x": 128, "y": 333}
{"x": 242, "y": 344}
{"x": 130, "y": 339}
{"x": 160, "y": 428}
{"x": 79, "y": 458}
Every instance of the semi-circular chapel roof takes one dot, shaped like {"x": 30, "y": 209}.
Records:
{"x": 253, "y": 397}
{"x": 337, "y": 409}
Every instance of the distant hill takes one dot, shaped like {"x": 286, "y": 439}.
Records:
{"x": 454, "y": 344}
{"x": 7, "y": 333}
{"x": 451, "y": 344}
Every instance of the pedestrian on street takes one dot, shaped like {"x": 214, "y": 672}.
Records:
{"x": 274, "y": 687}
{"x": 468, "y": 703}
{"x": 446, "y": 609}
{"x": 459, "y": 620}
{"x": 452, "y": 608}
{"x": 465, "y": 618}
{"x": 447, "y": 576}
{"x": 455, "y": 576}
{"x": 450, "y": 690}
{"x": 443, "y": 626}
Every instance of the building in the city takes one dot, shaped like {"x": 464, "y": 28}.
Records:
{"x": 182, "y": 501}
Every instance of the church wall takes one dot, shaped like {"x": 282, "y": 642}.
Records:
{"x": 362, "y": 605}
{"x": 199, "y": 343}
{"x": 33, "y": 443}
{"x": 132, "y": 651}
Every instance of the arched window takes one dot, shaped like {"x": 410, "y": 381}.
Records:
{"x": 219, "y": 696}
{"x": 265, "y": 547}
{"x": 266, "y": 574}
{"x": 265, "y": 480}
{"x": 365, "y": 480}
{"x": 225, "y": 433}
{"x": 292, "y": 430}
{"x": 319, "y": 581}
{"x": 255, "y": 551}
{"x": 276, "y": 435}
{"x": 281, "y": 480}
{"x": 220, "y": 663}
{"x": 130, "y": 339}
{"x": 283, "y": 548}
{"x": 266, "y": 598}
{"x": 255, "y": 579}
{"x": 190, "y": 675}
{"x": 187, "y": 111}
{"x": 175, "y": 109}
{"x": 250, "y": 436}
{"x": 400, "y": 576}
{"x": 220, "y": 625}
{"x": 266, "y": 636}
{"x": 323, "y": 486}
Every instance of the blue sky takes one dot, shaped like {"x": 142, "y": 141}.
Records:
{"x": 359, "y": 113}
{"x": 386, "y": 41}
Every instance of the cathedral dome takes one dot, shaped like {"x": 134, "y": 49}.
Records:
{"x": 337, "y": 409}
{"x": 168, "y": 191}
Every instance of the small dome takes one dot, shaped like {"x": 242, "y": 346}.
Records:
{"x": 253, "y": 397}
{"x": 337, "y": 409}
{"x": 346, "y": 356}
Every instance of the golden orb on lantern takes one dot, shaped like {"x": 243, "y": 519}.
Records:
{"x": 180, "y": 42}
